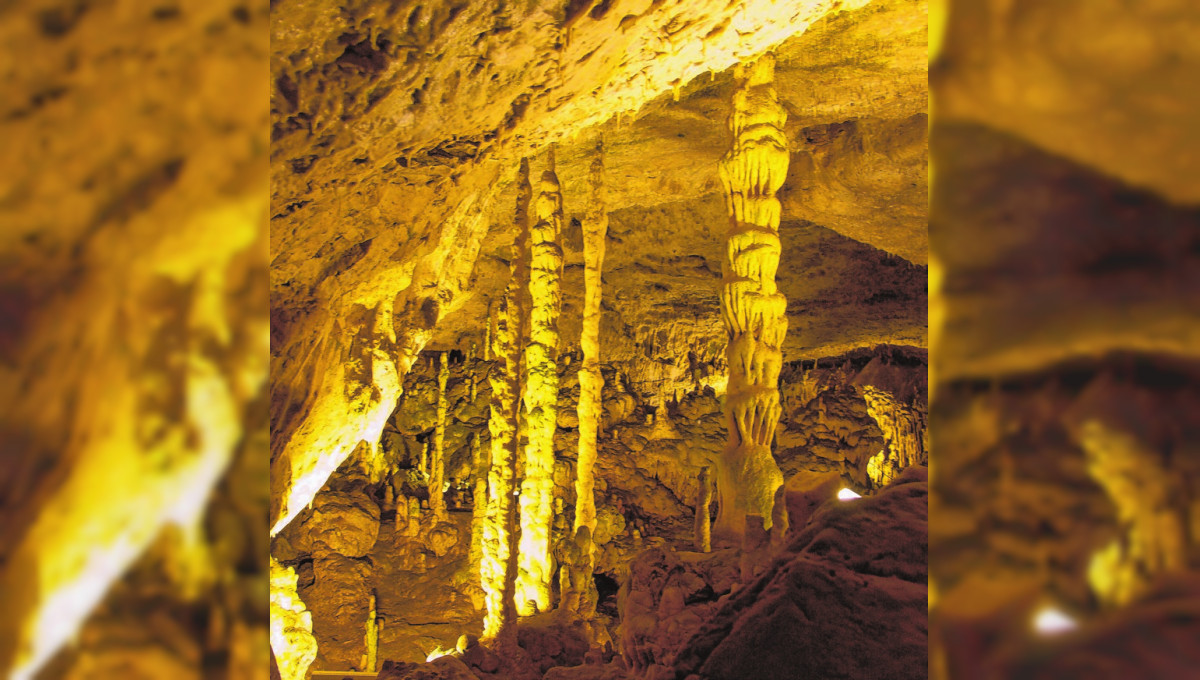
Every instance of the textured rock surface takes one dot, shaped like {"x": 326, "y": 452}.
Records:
{"x": 133, "y": 342}
{"x": 846, "y": 598}
{"x": 412, "y": 174}
{"x": 1063, "y": 333}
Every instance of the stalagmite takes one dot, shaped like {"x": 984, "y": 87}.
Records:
{"x": 372, "y": 638}
{"x": 541, "y": 398}
{"x": 753, "y": 309}
{"x": 292, "y": 639}
{"x": 703, "y": 528}
{"x": 437, "y": 462}
{"x": 479, "y": 471}
{"x": 500, "y": 531}
{"x": 578, "y": 588}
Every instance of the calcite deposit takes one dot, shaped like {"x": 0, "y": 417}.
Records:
{"x": 679, "y": 317}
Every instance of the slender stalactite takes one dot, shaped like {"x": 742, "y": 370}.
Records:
{"x": 292, "y": 638}
{"x": 541, "y": 397}
{"x": 500, "y": 530}
{"x": 437, "y": 462}
{"x": 753, "y": 309}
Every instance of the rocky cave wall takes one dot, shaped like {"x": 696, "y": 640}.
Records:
{"x": 1063, "y": 251}
{"x": 367, "y": 537}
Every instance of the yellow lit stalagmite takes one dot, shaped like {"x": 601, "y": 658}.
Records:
{"x": 291, "y": 625}
{"x": 437, "y": 463}
{"x": 753, "y": 309}
{"x": 500, "y": 532}
{"x": 480, "y": 463}
{"x": 595, "y": 231}
{"x": 541, "y": 398}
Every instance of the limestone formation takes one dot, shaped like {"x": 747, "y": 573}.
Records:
{"x": 578, "y": 589}
{"x": 591, "y": 382}
{"x": 541, "y": 398}
{"x": 501, "y": 531}
{"x": 752, "y": 308}
{"x": 903, "y": 429}
{"x": 292, "y": 640}
{"x": 480, "y": 464}
{"x": 702, "y": 527}
{"x": 437, "y": 461}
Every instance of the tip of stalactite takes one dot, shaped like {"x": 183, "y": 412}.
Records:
{"x": 551, "y": 158}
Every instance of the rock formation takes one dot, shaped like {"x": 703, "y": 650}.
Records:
{"x": 753, "y": 309}
{"x": 591, "y": 382}
{"x": 437, "y": 461}
{"x": 292, "y": 641}
{"x": 541, "y": 397}
{"x": 498, "y": 567}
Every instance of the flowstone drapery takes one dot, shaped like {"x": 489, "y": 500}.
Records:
{"x": 541, "y": 398}
{"x": 753, "y": 309}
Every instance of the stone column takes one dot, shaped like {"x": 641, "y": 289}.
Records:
{"x": 753, "y": 309}
{"x": 437, "y": 463}
{"x": 536, "y": 566}
{"x": 500, "y": 530}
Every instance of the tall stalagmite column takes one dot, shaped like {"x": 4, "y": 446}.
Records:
{"x": 595, "y": 232}
{"x": 437, "y": 463}
{"x": 541, "y": 398}
{"x": 701, "y": 528}
{"x": 480, "y": 464}
{"x": 498, "y": 566}
{"x": 753, "y": 309}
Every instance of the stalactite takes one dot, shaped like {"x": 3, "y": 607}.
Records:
{"x": 753, "y": 309}
{"x": 500, "y": 530}
{"x": 437, "y": 462}
{"x": 541, "y": 398}
{"x": 702, "y": 529}
{"x": 292, "y": 639}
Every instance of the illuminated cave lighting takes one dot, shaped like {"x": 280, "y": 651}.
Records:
{"x": 847, "y": 495}
{"x": 438, "y": 653}
{"x": 1051, "y": 621}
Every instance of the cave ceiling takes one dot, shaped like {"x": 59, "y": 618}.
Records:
{"x": 397, "y": 130}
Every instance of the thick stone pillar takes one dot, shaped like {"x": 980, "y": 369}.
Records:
{"x": 535, "y": 562}
{"x": 753, "y": 309}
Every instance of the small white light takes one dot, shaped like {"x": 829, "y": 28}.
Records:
{"x": 847, "y": 495}
{"x": 1051, "y": 621}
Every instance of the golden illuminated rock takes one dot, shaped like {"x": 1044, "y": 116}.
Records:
{"x": 591, "y": 382}
{"x": 437, "y": 461}
{"x": 292, "y": 640}
{"x": 541, "y": 398}
{"x": 578, "y": 587}
{"x": 702, "y": 528}
{"x": 498, "y": 564}
{"x": 903, "y": 429}
{"x": 480, "y": 463}
{"x": 753, "y": 310}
